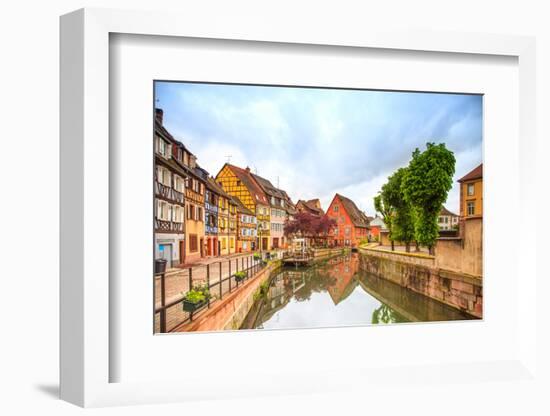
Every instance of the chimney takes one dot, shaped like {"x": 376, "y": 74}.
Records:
{"x": 159, "y": 114}
{"x": 248, "y": 169}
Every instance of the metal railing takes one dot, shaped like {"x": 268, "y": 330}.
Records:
{"x": 218, "y": 277}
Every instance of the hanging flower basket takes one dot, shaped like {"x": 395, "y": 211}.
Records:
{"x": 240, "y": 276}
{"x": 195, "y": 299}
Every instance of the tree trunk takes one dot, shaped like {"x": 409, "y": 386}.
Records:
{"x": 431, "y": 250}
{"x": 392, "y": 246}
{"x": 408, "y": 247}
{"x": 417, "y": 249}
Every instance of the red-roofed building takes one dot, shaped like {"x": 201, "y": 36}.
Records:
{"x": 471, "y": 193}
{"x": 352, "y": 225}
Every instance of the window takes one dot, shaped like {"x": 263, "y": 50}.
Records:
{"x": 471, "y": 189}
{"x": 163, "y": 147}
{"x": 232, "y": 242}
{"x": 178, "y": 183}
{"x": 224, "y": 244}
{"x": 193, "y": 243}
{"x": 178, "y": 214}
{"x": 163, "y": 176}
{"x": 164, "y": 211}
{"x": 471, "y": 207}
{"x": 347, "y": 231}
{"x": 440, "y": 219}
{"x": 199, "y": 214}
{"x": 191, "y": 212}
{"x": 335, "y": 208}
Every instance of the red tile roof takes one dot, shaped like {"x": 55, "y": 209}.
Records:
{"x": 358, "y": 217}
{"x": 476, "y": 173}
{"x": 246, "y": 178}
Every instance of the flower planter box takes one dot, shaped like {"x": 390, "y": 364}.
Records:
{"x": 240, "y": 278}
{"x": 192, "y": 307}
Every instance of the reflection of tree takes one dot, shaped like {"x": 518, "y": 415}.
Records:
{"x": 385, "y": 315}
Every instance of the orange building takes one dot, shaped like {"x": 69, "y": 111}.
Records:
{"x": 352, "y": 225}
{"x": 471, "y": 193}
{"x": 376, "y": 225}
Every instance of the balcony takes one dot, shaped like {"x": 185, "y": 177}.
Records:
{"x": 178, "y": 196}
{"x": 163, "y": 190}
{"x": 211, "y": 229}
{"x": 211, "y": 207}
{"x": 168, "y": 226}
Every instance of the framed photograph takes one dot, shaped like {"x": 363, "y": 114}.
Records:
{"x": 230, "y": 197}
{"x": 315, "y": 238}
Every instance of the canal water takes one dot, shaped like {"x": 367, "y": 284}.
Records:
{"x": 336, "y": 292}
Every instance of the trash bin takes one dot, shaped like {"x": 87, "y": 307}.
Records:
{"x": 160, "y": 265}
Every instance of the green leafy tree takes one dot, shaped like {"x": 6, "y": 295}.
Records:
{"x": 382, "y": 206}
{"x": 426, "y": 183}
{"x": 403, "y": 218}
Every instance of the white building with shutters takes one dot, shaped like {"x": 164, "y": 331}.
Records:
{"x": 169, "y": 183}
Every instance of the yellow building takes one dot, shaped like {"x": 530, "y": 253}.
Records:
{"x": 227, "y": 224}
{"x": 239, "y": 183}
{"x": 246, "y": 228}
{"x": 471, "y": 193}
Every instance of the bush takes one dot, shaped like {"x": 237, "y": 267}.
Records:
{"x": 257, "y": 256}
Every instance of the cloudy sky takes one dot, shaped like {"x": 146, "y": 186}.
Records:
{"x": 316, "y": 142}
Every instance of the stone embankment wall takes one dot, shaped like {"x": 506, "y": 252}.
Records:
{"x": 465, "y": 253}
{"x": 420, "y": 273}
{"x": 230, "y": 312}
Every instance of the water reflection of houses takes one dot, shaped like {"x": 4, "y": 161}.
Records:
{"x": 343, "y": 272}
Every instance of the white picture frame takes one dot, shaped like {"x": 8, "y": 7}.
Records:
{"x": 86, "y": 355}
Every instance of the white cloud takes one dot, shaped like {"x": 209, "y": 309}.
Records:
{"x": 319, "y": 142}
